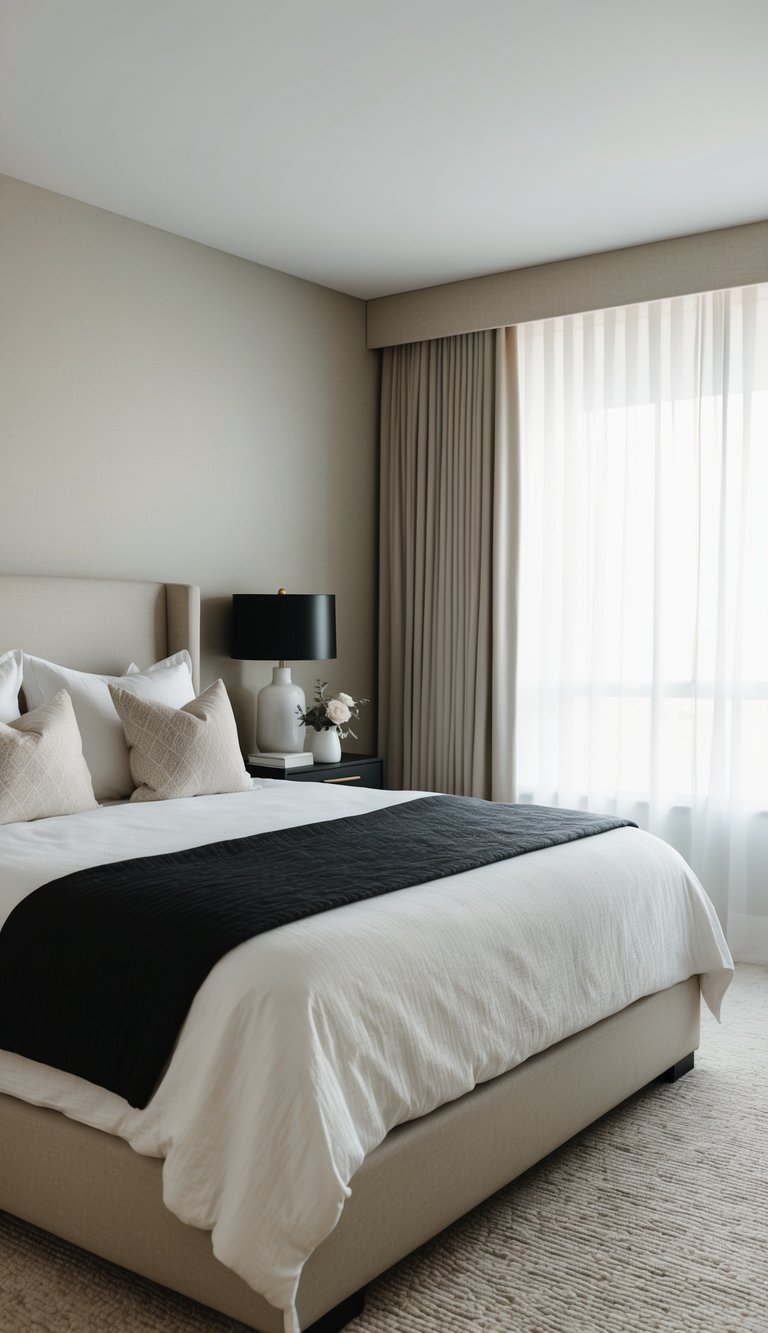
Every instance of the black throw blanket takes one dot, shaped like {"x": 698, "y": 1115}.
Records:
{"x": 98, "y": 969}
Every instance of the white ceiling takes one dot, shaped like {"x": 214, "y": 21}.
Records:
{"x": 375, "y": 146}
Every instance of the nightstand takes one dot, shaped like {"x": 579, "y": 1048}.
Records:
{"x": 360, "y": 770}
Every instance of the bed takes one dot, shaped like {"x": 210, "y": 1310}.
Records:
{"x": 87, "y": 1184}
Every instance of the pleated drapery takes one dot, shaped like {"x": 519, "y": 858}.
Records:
{"x": 448, "y": 517}
{"x": 637, "y": 439}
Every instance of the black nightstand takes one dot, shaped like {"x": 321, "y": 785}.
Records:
{"x": 360, "y": 770}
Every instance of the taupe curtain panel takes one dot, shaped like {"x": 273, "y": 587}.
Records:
{"x": 448, "y": 564}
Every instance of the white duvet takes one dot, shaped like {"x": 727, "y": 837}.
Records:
{"x": 306, "y": 1045}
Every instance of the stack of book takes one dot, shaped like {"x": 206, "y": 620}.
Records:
{"x": 271, "y": 759}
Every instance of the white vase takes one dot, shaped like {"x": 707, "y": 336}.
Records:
{"x": 326, "y": 746}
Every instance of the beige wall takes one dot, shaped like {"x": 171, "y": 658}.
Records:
{"x": 170, "y": 412}
{"x": 706, "y": 262}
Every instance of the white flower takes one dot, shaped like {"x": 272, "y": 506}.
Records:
{"x": 337, "y": 712}
{"x": 346, "y": 699}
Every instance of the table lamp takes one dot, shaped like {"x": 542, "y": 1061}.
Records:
{"x": 298, "y": 626}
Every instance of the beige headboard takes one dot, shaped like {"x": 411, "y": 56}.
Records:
{"x": 99, "y": 624}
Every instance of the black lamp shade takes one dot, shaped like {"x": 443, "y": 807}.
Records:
{"x": 294, "y": 627}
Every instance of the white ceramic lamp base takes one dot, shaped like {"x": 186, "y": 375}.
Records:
{"x": 277, "y": 722}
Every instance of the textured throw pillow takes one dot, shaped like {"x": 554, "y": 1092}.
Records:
{"x": 42, "y": 769}
{"x": 189, "y": 751}
{"x": 10, "y": 684}
{"x": 104, "y": 746}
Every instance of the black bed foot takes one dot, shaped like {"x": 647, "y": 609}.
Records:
{"x": 340, "y": 1315}
{"x": 677, "y": 1070}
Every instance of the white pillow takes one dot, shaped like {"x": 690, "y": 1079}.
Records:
{"x": 10, "y": 684}
{"x": 171, "y": 673}
{"x": 167, "y": 682}
{"x": 104, "y": 745}
{"x": 189, "y": 751}
{"x": 42, "y": 769}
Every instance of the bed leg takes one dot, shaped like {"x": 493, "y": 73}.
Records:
{"x": 340, "y": 1315}
{"x": 677, "y": 1070}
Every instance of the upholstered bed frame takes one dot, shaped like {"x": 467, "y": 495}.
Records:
{"x": 92, "y": 1189}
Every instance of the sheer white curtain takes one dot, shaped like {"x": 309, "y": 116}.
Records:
{"x": 643, "y": 616}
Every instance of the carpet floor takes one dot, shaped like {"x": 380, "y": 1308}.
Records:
{"x": 654, "y": 1219}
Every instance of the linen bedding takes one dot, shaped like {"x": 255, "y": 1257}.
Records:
{"x": 306, "y": 1045}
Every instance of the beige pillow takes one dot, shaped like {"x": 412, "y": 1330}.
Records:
{"x": 42, "y": 769}
{"x": 189, "y": 751}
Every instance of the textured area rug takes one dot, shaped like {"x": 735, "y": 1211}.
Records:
{"x": 654, "y": 1219}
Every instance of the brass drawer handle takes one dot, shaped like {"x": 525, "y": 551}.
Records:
{"x": 356, "y": 778}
